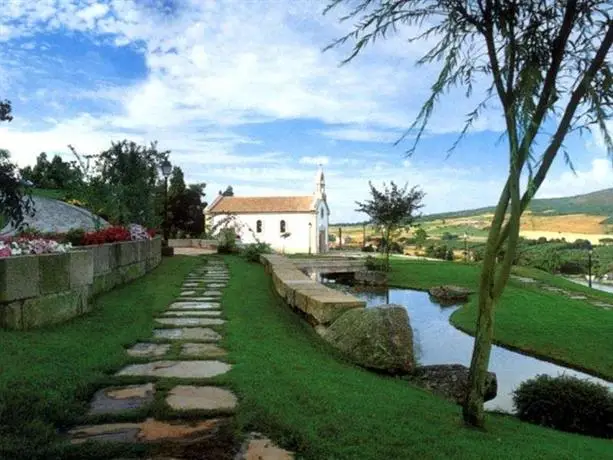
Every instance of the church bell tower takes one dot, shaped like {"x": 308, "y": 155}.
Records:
{"x": 320, "y": 184}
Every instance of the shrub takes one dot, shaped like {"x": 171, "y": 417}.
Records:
{"x": 226, "y": 241}
{"x": 448, "y": 236}
{"x": 368, "y": 248}
{"x": 75, "y": 236}
{"x": 372, "y": 263}
{"x": 566, "y": 403}
{"x": 251, "y": 252}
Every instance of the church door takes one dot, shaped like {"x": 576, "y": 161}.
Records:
{"x": 322, "y": 241}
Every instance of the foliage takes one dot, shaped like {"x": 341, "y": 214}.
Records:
{"x": 390, "y": 209}
{"x": 127, "y": 174}
{"x": 252, "y": 252}
{"x": 75, "y": 236}
{"x": 229, "y": 191}
{"x": 15, "y": 199}
{"x": 439, "y": 252}
{"x": 187, "y": 210}
{"x": 373, "y": 263}
{"x": 566, "y": 403}
{"x": 107, "y": 235}
{"x": 368, "y": 248}
{"x": 54, "y": 174}
{"x": 331, "y": 238}
{"x": 421, "y": 236}
{"x": 226, "y": 241}
{"x": 5, "y": 110}
{"x": 448, "y": 236}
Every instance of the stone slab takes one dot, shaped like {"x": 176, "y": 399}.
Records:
{"x": 195, "y": 305}
{"x": 259, "y": 447}
{"x": 146, "y": 350}
{"x": 119, "y": 399}
{"x": 191, "y": 285}
{"x": 189, "y": 333}
{"x": 191, "y": 321}
{"x": 212, "y": 293}
{"x": 216, "y": 285}
{"x": 190, "y": 397}
{"x": 177, "y": 369}
{"x": 202, "y": 350}
{"x": 145, "y": 432}
{"x": 191, "y": 314}
{"x": 188, "y": 293}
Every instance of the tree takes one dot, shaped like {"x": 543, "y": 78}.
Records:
{"x": 227, "y": 192}
{"x": 5, "y": 110}
{"x": 391, "y": 209}
{"x": 421, "y": 236}
{"x": 15, "y": 201}
{"x": 130, "y": 174}
{"x": 57, "y": 174}
{"x": 176, "y": 184}
{"x": 546, "y": 65}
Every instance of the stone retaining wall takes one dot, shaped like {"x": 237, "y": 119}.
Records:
{"x": 319, "y": 303}
{"x": 51, "y": 288}
{"x": 192, "y": 243}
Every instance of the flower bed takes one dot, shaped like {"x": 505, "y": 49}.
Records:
{"x": 31, "y": 242}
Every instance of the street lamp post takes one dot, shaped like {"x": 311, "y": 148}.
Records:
{"x": 465, "y": 247}
{"x": 589, "y": 266}
{"x": 310, "y": 227}
{"x": 166, "y": 168}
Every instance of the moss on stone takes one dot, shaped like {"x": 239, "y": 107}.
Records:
{"x": 19, "y": 278}
{"x": 54, "y": 273}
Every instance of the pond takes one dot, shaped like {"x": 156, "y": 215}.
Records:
{"x": 436, "y": 341}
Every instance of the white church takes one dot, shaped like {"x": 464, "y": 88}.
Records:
{"x": 292, "y": 224}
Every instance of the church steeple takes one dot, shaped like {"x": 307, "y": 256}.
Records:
{"x": 320, "y": 184}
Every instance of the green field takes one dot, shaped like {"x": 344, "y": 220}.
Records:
{"x": 47, "y": 376}
{"x": 294, "y": 387}
{"x": 528, "y": 318}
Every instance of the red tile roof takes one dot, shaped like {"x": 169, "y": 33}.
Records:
{"x": 257, "y": 204}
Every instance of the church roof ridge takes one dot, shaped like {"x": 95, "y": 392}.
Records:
{"x": 263, "y": 204}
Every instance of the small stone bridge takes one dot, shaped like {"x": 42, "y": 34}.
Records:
{"x": 329, "y": 264}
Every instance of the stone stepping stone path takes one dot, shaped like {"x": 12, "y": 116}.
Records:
{"x": 191, "y": 320}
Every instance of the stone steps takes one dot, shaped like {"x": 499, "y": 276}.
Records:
{"x": 185, "y": 331}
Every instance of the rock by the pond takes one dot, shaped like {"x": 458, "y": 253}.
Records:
{"x": 178, "y": 369}
{"x": 450, "y": 381}
{"x": 378, "y": 338}
{"x": 189, "y": 397}
{"x": 188, "y": 333}
{"x": 202, "y": 350}
{"x": 194, "y": 305}
{"x": 449, "y": 294}
{"x": 145, "y": 432}
{"x": 191, "y": 321}
{"x": 146, "y": 350}
{"x": 118, "y": 399}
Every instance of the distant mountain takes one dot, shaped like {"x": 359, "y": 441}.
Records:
{"x": 598, "y": 203}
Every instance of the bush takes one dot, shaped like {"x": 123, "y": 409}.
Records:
{"x": 252, "y": 252}
{"x": 75, "y": 236}
{"x": 226, "y": 241}
{"x": 375, "y": 264}
{"x": 566, "y": 403}
{"x": 368, "y": 248}
{"x": 448, "y": 236}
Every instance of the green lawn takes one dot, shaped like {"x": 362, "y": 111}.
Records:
{"x": 48, "y": 375}
{"x": 295, "y": 388}
{"x": 542, "y": 323}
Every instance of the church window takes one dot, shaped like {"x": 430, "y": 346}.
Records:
{"x": 322, "y": 213}
{"x": 282, "y": 226}
{"x": 258, "y": 226}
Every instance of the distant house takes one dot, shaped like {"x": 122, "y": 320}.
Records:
{"x": 294, "y": 224}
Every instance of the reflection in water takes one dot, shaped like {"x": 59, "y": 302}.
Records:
{"x": 436, "y": 341}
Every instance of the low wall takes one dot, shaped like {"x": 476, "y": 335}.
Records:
{"x": 319, "y": 303}
{"x": 329, "y": 264}
{"x": 192, "y": 243}
{"x": 50, "y": 288}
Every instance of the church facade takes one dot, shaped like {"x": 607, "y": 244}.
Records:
{"x": 292, "y": 224}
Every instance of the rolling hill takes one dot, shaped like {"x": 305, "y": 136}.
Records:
{"x": 599, "y": 203}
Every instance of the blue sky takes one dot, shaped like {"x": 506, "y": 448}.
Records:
{"x": 242, "y": 94}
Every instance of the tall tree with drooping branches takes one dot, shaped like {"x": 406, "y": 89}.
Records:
{"x": 547, "y": 64}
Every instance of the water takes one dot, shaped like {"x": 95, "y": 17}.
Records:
{"x": 436, "y": 341}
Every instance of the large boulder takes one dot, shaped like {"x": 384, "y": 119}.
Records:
{"x": 449, "y": 294}
{"x": 450, "y": 381}
{"x": 378, "y": 338}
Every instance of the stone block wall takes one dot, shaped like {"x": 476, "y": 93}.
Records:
{"x": 51, "y": 288}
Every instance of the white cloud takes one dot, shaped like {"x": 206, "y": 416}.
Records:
{"x": 598, "y": 176}
{"x": 319, "y": 160}
{"x": 362, "y": 134}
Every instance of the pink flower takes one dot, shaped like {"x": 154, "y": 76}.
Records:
{"x": 5, "y": 251}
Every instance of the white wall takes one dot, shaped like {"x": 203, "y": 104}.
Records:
{"x": 297, "y": 224}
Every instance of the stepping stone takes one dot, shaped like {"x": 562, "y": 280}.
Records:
{"x": 187, "y": 293}
{"x": 189, "y": 397}
{"x": 259, "y": 447}
{"x": 145, "y": 432}
{"x": 178, "y": 369}
{"x": 189, "y": 333}
{"x": 208, "y": 350}
{"x": 213, "y": 293}
{"x": 190, "y": 321}
{"x": 175, "y": 314}
{"x": 191, "y": 285}
{"x": 216, "y": 285}
{"x": 602, "y": 304}
{"x": 195, "y": 305}
{"x": 118, "y": 399}
{"x": 578, "y": 297}
{"x": 207, "y": 299}
{"x": 147, "y": 350}
{"x": 523, "y": 279}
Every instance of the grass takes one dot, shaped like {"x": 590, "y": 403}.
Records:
{"x": 295, "y": 388}
{"x": 48, "y": 375}
{"x": 541, "y": 323}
